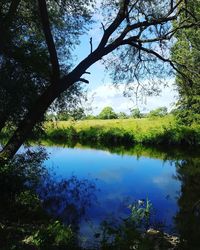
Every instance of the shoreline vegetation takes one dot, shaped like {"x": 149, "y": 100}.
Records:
{"x": 145, "y": 131}
{"x": 163, "y": 132}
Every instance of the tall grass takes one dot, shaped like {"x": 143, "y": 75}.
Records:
{"x": 146, "y": 131}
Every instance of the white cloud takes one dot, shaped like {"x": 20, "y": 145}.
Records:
{"x": 109, "y": 95}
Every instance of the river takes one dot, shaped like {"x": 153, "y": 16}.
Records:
{"x": 112, "y": 181}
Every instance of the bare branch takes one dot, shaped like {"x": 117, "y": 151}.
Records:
{"x": 83, "y": 80}
{"x": 91, "y": 47}
{"x": 49, "y": 39}
{"x": 133, "y": 5}
{"x": 142, "y": 26}
{"x": 174, "y": 7}
{"x": 171, "y": 4}
{"x": 103, "y": 27}
{"x": 115, "y": 24}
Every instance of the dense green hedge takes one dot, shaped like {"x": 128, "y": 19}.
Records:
{"x": 172, "y": 135}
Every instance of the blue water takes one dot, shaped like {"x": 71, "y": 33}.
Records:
{"x": 119, "y": 181}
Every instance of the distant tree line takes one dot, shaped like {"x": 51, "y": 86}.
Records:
{"x": 106, "y": 113}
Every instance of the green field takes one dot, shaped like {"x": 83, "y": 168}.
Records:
{"x": 156, "y": 130}
{"x": 143, "y": 124}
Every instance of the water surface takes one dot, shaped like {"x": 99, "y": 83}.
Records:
{"x": 120, "y": 179}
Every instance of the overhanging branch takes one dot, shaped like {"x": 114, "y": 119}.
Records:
{"x": 156, "y": 54}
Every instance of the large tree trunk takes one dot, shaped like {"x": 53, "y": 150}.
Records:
{"x": 26, "y": 126}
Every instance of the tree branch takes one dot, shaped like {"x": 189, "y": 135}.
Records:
{"x": 13, "y": 8}
{"x": 152, "y": 52}
{"x": 83, "y": 80}
{"x": 91, "y": 46}
{"x": 49, "y": 40}
{"x": 115, "y": 24}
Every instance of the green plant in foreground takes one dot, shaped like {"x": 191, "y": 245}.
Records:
{"x": 141, "y": 212}
{"x": 128, "y": 233}
{"x": 55, "y": 235}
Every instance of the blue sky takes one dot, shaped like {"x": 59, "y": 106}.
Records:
{"x": 101, "y": 92}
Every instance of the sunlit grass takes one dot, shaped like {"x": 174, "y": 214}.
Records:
{"x": 140, "y": 125}
{"x": 154, "y": 131}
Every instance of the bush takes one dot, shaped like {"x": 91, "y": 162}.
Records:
{"x": 107, "y": 113}
{"x": 159, "y": 112}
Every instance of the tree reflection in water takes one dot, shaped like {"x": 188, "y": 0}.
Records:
{"x": 67, "y": 199}
{"x": 188, "y": 218}
{"x": 26, "y": 191}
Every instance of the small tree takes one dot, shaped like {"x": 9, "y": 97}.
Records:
{"x": 135, "y": 113}
{"x": 90, "y": 117}
{"x": 76, "y": 114}
{"x": 159, "y": 112}
{"x": 107, "y": 113}
{"x": 122, "y": 115}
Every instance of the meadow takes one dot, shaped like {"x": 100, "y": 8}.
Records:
{"x": 146, "y": 131}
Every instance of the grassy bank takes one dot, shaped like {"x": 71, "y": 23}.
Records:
{"x": 146, "y": 131}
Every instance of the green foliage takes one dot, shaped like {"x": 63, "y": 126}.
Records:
{"x": 50, "y": 117}
{"x": 75, "y": 114}
{"x": 107, "y": 113}
{"x": 159, "y": 112}
{"x": 186, "y": 52}
{"x": 63, "y": 135}
{"x": 52, "y": 236}
{"x": 135, "y": 113}
{"x": 122, "y": 115}
{"x": 90, "y": 117}
{"x": 140, "y": 213}
{"x": 25, "y": 65}
{"x": 126, "y": 233}
{"x": 62, "y": 116}
{"x": 106, "y": 136}
{"x": 162, "y": 131}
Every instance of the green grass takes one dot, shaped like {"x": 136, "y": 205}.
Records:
{"x": 145, "y": 131}
{"x": 130, "y": 125}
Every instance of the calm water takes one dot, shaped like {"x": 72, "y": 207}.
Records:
{"x": 119, "y": 180}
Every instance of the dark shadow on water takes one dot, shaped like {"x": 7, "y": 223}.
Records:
{"x": 157, "y": 151}
{"x": 67, "y": 199}
{"x": 187, "y": 220}
{"x": 32, "y": 203}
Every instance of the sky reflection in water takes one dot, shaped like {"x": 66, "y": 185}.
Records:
{"x": 120, "y": 180}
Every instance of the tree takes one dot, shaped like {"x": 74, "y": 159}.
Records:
{"x": 135, "y": 29}
{"x": 135, "y": 113}
{"x": 107, "y": 113}
{"x": 159, "y": 112}
{"x": 25, "y": 62}
{"x": 122, "y": 115}
{"x": 76, "y": 114}
{"x": 186, "y": 52}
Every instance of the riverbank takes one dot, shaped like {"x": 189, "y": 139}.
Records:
{"x": 146, "y": 131}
